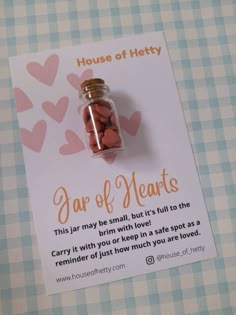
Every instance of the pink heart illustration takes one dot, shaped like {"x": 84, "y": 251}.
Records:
{"x": 46, "y": 73}
{"x": 58, "y": 111}
{"x": 74, "y": 144}
{"x": 110, "y": 158}
{"x": 23, "y": 102}
{"x": 34, "y": 139}
{"x": 132, "y": 124}
{"x": 76, "y": 81}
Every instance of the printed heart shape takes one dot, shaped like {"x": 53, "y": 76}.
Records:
{"x": 110, "y": 158}
{"x": 75, "y": 80}
{"x": 46, "y": 73}
{"x": 34, "y": 139}
{"x": 56, "y": 111}
{"x": 73, "y": 145}
{"x": 132, "y": 124}
{"x": 23, "y": 102}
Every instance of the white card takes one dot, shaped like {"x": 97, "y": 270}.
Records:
{"x": 99, "y": 221}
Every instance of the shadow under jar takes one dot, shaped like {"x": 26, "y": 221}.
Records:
{"x": 100, "y": 119}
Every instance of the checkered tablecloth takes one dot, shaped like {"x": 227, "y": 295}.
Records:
{"x": 201, "y": 37}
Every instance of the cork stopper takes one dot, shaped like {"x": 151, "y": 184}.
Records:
{"x": 91, "y": 82}
{"x": 93, "y": 88}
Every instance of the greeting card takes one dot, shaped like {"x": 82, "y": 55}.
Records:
{"x": 137, "y": 211}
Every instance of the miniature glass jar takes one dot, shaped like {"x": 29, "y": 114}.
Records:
{"x": 100, "y": 119}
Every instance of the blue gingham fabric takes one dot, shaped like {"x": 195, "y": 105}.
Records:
{"x": 201, "y": 37}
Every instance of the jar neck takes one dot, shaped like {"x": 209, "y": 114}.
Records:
{"x": 94, "y": 91}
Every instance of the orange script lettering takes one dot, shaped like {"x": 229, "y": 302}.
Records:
{"x": 65, "y": 203}
{"x": 143, "y": 191}
{"x": 105, "y": 200}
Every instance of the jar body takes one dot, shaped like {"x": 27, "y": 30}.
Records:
{"x": 102, "y": 126}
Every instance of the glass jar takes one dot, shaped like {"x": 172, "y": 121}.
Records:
{"x": 100, "y": 119}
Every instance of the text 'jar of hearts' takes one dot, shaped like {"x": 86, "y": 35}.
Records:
{"x": 100, "y": 118}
